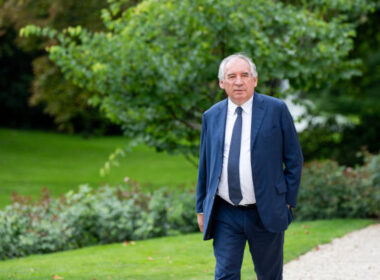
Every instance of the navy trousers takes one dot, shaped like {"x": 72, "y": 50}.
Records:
{"x": 232, "y": 228}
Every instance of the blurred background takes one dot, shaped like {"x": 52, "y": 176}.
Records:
{"x": 34, "y": 93}
{"x": 110, "y": 94}
{"x": 147, "y": 71}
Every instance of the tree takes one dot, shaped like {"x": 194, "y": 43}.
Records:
{"x": 357, "y": 99}
{"x": 154, "y": 69}
{"x": 16, "y": 76}
{"x": 26, "y": 68}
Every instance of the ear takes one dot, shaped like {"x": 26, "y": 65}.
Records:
{"x": 221, "y": 84}
{"x": 255, "y": 80}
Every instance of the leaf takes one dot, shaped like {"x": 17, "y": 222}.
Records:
{"x": 148, "y": 86}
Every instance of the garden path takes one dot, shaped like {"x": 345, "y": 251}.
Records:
{"x": 353, "y": 256}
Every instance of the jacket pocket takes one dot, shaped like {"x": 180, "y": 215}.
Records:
{"x": 281, "y": 187}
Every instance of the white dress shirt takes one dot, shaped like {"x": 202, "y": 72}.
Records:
{"x": 245, "y": 170}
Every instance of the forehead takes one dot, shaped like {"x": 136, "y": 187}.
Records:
{"x": 237, "y": 65}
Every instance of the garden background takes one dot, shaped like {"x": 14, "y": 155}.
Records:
{"x": 100, "y": 112}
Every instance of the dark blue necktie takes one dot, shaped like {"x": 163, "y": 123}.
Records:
{"x": 234, "y": 160}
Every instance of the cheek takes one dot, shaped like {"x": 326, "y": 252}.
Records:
{"x": 226, "y": 87}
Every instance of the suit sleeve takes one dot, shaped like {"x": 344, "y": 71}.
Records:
{"x": 292, "y": 157}
{"x": 202, "y": 170}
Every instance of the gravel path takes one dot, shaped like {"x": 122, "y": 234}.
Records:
{"x": 354, "y": 256}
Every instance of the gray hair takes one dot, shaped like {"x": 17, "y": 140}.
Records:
{"x": 225, "y": 61}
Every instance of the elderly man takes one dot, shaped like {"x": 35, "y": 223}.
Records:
{"x": 250, "y": 167}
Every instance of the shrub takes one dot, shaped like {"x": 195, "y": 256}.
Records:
{"x": 332, "y": 191}
{"x": 107, "y": 215}
{"x": 90, "y": 216}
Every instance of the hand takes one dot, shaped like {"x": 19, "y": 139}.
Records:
{"x": 288, "y": 206}
{"x": 200, "y": 218}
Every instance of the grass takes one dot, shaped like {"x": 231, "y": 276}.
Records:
{"x": 180, "y": 257}
{"x": 31, "y": 160}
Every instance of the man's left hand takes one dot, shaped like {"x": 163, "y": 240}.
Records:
{"x": 200, "y": 218}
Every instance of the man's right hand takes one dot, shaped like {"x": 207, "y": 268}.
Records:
{"x": 200, "y": 218}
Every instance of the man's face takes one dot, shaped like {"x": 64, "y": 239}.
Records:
{"x": 238, "y": 81}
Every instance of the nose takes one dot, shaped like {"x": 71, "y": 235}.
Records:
{"x": 238, "y": 80}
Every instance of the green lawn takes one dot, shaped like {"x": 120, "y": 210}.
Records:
{"x": 31, "y": 160}
{"x": 181, "y": 257}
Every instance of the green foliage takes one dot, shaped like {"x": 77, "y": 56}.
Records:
{"x": 107, "y": 215}
{"x": 154, "y": 69}
{"x": 112, "y": 161}
{"x": 360, "y": 95}
{"x": 31, "y": 80}
{"x": 90, "y": 217}
{"x": 342, "y": 142}
{"x": 332, "y": 191}
{"x": 357, "y": 99}
{"x": 67, "y": 103}
{"x": 16, "y": 77}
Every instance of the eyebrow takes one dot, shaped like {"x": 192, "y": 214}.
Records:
{"x": 234, "y": 74}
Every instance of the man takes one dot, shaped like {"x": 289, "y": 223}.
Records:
{"x": 250, "y": 167}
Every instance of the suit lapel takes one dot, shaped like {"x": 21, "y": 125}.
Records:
{"x": 220, "y": 126}
{"x": 258, "y": 110}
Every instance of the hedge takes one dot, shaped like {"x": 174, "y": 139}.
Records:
{"x": 122, "y": 213}
{"x": 331, "y": 191}
{"x": 90, "y": 216}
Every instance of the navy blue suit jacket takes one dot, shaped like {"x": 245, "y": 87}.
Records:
{"x": 276, "y": 161}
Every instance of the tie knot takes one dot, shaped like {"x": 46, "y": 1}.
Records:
{"x": 239, "y": 110}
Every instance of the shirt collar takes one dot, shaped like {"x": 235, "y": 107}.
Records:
{"x": 247, "y": 106}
